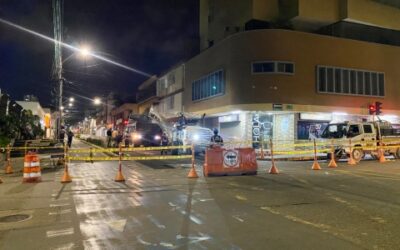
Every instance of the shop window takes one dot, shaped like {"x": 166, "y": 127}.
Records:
{"x": 208, "y": 86}
{"x": 349, "y": 81}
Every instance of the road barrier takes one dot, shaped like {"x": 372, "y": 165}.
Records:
{"x": 238, "y": 161}
{"x": 32, "y": 172}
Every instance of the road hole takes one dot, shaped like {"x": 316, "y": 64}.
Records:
{"x": 15, "y": 218}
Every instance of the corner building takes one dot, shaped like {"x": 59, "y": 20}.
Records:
{"x": 288, "y": 84}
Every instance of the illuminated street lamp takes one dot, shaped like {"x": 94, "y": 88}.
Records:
{"x": 84, "y": 51}
{"x": 70, "y": 104}
{"x": 96, "y": 101}
{"x": 71, "y": 99}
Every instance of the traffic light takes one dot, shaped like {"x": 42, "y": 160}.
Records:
{"x": 371, "y": 109}
{"x": 378, "y": 108}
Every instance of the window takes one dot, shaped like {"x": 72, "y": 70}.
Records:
{"x": 208, "y": 86}
{"x": 272, "y": 67}
{"x": 353, "y": 131}
{"x": 367, "y": 129}
{"x": 350, "y": 81}
{"x": 171, "y": 102}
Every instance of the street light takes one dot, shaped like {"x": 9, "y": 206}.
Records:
{"x": 71, "y": 99}
{"x": 97, "y": 101}
{"x": 84, "y": 51}
{"x": 70, "y": 104}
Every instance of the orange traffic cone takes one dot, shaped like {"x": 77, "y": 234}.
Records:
{"x": 192, "y": 172}
{"x": 332, "y": 163}
{"x": 351, "y": 161}
{"x": 9, "y": 169}
{"x": 119, "y": 177}
{"x": 273, "y": 169}
{"x": 315, "y": 165}
{"x": 382, "y": 158}
{"x": 66, "y": 177}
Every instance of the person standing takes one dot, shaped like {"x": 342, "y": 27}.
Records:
{"x": 164, "y": 143}
{"x": 70, "y": 135}
{"x": 216, "y": 139}
{"x": 109, "y": 137}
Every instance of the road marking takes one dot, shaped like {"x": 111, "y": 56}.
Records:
{"x": 65, "y": 211}
{"x": 59, "y": 205}
{"x": 203, "y": 200}
{"x": 155, "y": 222}
{"x": 65, "y": 246}
{"x": 238, "y": 218}
{"x": 242, "y": 198}
{"x": 118, "y": 225}
{"x": 62, "y": 232}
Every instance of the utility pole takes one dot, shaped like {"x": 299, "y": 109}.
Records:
{"x": 57, "y": 69}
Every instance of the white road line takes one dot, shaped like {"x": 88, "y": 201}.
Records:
{"x": 59, "y": 205}
{"x": 65, "y": 211}
{"x": 61, "y": 232}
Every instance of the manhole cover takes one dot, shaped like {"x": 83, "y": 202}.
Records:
{"x": 14, "y": 218}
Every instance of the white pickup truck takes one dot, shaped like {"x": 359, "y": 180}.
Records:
{"x": 365, "y": 137}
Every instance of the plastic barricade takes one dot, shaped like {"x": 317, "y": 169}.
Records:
{"x": 238, "y": 161}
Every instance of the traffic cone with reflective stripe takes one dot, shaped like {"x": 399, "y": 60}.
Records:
{"x": 315, "y": 165}
{"x": 66, "y": 177}
{"x": 273, "y": 169}
{"x": 332, "y": 163}
{"x": 382, "y": 158}
{"x": 192, "y": 172}
{"x": 9, "y": 169}
{"x": 351, "y": 160}
{"x": 120, "y": 177}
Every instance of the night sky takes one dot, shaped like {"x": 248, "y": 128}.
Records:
{"x": 148, "y": 35}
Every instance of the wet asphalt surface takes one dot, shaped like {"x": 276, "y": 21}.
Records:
{"x": 159, "y": 208}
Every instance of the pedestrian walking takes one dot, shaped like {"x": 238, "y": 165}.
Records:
{"x": 70, "y": 135}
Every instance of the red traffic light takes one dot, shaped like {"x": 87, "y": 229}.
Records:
{"x": 371, "y": 109}
{"x": 125, "y": 122}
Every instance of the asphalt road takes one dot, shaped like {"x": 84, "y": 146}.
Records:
{"x": 159, "y": 208}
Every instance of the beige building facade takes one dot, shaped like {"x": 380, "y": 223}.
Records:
{"x": 295, "y": 81}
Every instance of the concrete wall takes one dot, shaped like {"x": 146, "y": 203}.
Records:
{"x": 257, "y": 92}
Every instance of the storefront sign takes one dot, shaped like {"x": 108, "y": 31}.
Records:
{"x": 316, "y": 116}
{"x": 228, "y": 118}
{"x": 261, "y": 128}
{"x": 231, "y": 159}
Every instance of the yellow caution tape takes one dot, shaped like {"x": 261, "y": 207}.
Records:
{"x": 130, "y": 158}
{"x": 32, "y": 147}
{"x": 131, "y": 149}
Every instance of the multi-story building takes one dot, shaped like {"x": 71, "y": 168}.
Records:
{"x": 146, "y": 96}
{"x": 286, "y": 68}
{"x": 170, "y": 92}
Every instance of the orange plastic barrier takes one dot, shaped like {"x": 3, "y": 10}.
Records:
{"x": 32, "y": 171}
{"x": 238, "y": 161}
